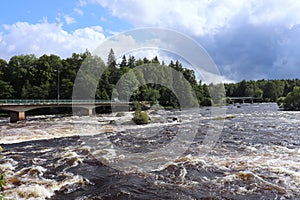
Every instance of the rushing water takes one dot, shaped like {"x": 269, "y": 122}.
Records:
{"x": 257, "y": 156}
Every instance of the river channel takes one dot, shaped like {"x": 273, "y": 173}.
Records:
{"x": 255, "y": 155}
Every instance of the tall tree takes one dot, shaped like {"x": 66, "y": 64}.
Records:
{"x": 111, "y": 60}
{"x": 123, "y": 63}
{"x": 270, "y": 91}
{"x": 19, "y": 70}
{"x": 6, "y": 88}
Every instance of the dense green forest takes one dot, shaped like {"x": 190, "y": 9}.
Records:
{"x": 285, "y": 92}
{"x": 31, "y": 77}
{"x": 268, "y": 90}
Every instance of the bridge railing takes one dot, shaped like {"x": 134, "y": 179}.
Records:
{"x": 50, "y": 101}
{"x": 256, "y": 98}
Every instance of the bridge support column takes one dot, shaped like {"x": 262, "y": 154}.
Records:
{"x": 90, "y": 112}
{"x": 17, "y": 116}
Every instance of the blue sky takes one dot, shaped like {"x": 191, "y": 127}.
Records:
{"x": 70, "y": 14}
{"x": 247, "y": 39}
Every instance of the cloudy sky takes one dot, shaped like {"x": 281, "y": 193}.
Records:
{"x": 247, "y": 39}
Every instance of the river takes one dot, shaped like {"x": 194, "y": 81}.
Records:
{"x": 256, "y": 155}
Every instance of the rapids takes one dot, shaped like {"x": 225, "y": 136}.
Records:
{"x": 256, "y": 156}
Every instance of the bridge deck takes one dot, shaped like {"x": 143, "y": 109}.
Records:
{"x": 257, "y": 98}
{"x": 18, "y": 107}
{"x": 6, "y": 102}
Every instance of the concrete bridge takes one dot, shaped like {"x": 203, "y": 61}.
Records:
{"x": 244, "y": 99}
{"x": 18, "y": 107}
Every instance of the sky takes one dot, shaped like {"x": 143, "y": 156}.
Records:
{"x": 247, "y": 39}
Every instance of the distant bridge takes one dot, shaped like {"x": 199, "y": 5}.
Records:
{"x": 18, "y": 107}
{"x": 245, "y": 99}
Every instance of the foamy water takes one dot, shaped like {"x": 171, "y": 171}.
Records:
{"x": 257, "y": 156}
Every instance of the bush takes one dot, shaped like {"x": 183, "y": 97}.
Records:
{"x": 292, "y": 100}
{"x": 207, "y": 102}
{"x": 280, "y": 101}
{"x": 140, "y": 117}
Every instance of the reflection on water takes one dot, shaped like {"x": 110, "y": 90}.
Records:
{"x": 256, "y": 157}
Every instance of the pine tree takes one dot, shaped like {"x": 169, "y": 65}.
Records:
{"x": 111, "y": 61}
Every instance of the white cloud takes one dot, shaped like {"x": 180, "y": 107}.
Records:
{"x": 196, "y": 17}
{"x": 78, "y": 11}
{"x": 47, "y": 38}
{"x": 69, "y": 20}
{"x": 280, "y": 12}
{"x": 248, "y": 39}
{"x": 201, "y": 17}
{"x": 167, "y": 45}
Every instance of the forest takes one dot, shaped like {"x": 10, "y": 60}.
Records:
{"x": 32, "y": 77}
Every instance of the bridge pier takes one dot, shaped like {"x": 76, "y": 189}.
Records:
{"x": 18, "y": 107}
{"x": 17, "y": 116}
{"x": 90, "y": 112}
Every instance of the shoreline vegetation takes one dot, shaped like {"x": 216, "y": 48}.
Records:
{"x": 51, "y": 77}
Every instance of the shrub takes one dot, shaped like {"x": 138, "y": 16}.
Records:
{"x": 280, "y": 101}
{"x": 207, "y": 102}
{"x": 292, "y": 100}
{"x": 140, "y": 118}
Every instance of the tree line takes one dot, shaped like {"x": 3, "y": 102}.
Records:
{"x": 31, "y": 77}
{"x": 285, "y": 92}
{"x": 267, "y": 90}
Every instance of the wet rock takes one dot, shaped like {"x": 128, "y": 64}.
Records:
{"x": 120, "y": 114}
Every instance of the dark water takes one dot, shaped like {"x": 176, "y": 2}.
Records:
{"x": 256, "y": 156}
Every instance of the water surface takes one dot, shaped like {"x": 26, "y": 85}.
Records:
{"x": 257, "y": 156}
